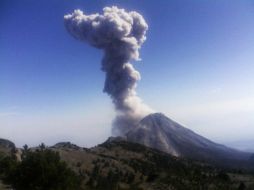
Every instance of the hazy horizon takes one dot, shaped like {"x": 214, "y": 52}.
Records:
{"x": 196, "y": 67}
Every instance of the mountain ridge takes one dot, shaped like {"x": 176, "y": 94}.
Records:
{"x": 160, "y": 132}
{"x": 121, "y": 164}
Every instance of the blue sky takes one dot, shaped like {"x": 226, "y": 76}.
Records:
{"x": 197, "y": 67}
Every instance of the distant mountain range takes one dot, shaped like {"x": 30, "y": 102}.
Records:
{"x": 244, "y": 145}
{"x": 159, "y": 132}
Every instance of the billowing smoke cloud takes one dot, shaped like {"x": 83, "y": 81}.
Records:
{"x": 119, "y": 34}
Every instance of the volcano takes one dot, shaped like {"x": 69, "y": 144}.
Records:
{"x": 159, "y": 132}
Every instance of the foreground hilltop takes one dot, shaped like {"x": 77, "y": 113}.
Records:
{"x": 159, "y": 132}
{"x": 6, "y": 146}
{"x": 119, "y": 164}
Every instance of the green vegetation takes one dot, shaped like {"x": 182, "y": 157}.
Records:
{"x": 39, "y": 170}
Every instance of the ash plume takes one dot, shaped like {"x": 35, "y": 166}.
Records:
{"x": 120, "y": 35}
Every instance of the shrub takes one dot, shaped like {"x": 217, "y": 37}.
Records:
{"x": 42, "y": 170}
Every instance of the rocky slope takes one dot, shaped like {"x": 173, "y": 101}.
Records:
{"x": 119, "y": 164}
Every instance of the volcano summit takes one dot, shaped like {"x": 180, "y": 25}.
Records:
{"x": 159, "y": 132}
